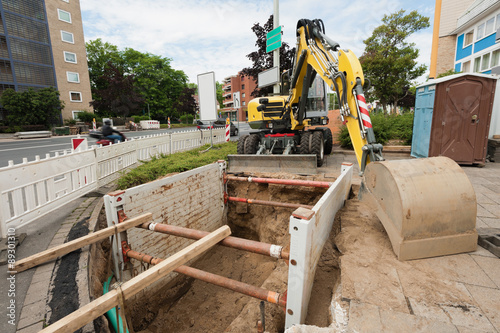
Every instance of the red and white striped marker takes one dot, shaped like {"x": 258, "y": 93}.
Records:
{"x": 94, "y": 126}
{"x": 363, "y": 110}
{"x": 168, "y": 122}
{"x": 228, "y": 132}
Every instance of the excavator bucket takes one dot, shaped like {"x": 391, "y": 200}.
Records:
{"x": 427, "y": 206}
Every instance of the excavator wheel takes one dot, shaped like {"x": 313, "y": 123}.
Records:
{"x": 252, "y": 144}
{"x": 328, "y": 140}
{"x": 318, "y": 146}
{"x": 304, "y": 143}
{"x": 427, "y": 206}
{"x": 240, "y": 148}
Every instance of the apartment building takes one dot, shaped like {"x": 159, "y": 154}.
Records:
{"x": 466, "y": 37}
{"x": 42, "y": 45}
{"x": 237, "y": 92}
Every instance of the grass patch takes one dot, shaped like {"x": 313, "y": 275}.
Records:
{"x": 178, "y": 162}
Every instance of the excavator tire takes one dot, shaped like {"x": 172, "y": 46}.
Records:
{"x": 252, "y": 144}
{"x": 240, "y": 148}
{"x": 304, "y": 143}
{"x": 318, "y": 146}
{"x": 328, "y": 140}
{"x": 427, "y": 206}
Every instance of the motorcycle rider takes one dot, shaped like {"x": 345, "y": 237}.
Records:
{"x": 107, "y": 131}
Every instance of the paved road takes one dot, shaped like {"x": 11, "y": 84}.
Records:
{"x": 17, "y": 149}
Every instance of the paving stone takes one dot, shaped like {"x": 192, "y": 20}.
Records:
{"x": 32, "y": 314}
{"x": 430, "y": 311}
{"x": 490, "y": 222}
{"x": 481, "y": 251}
{"x": 483, "y": 212}
{"x": 493, "y": 187}
{"x": 480, "y": 223}
{"x": 489, "y": 301}
{"x": 469, "y": 316}
{"x": 36, "y": 294}
{"x": 398, "y": 322}
{"x": 460, "y": 268}
{"x": 482, "y": 198}
{"x": 481, "y": 189}
{"x": 35, "y": 328}
{"x": 494, "y": 196}
{"x": 491, "y": 266}
{"x": 493, "y": 209}
{"x": 467, "y": 330}
{"x": 364, "y": 318}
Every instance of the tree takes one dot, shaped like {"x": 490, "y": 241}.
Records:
{"x": 263, "y": 60}
{"x": 186, "y": 103}
{"x": 32, "y": 107}
{"x": 159, "y": 84}
{"x": 120, "y": 97}
{"x": 389, "y": 60}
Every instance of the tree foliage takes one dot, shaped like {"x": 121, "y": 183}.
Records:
{"x": 120, "y": 96}
{"x": 389, "y": 60}
{"x": 262, "y": 60}
{"x": 32, "y": 107}
{"x": 153, "y": 77}
{"x": 186, "y": 103}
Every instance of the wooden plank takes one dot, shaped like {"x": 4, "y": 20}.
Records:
{"x": 94, "y": 309}
{"x": 76, "y": 244}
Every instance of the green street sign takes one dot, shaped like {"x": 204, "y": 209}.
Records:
{"x": 273, "y": 46}
{"x": 274, "y": 32}
{"x": 273, "y": 39}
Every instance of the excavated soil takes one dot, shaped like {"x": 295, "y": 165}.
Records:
{"x": 188, "y": 305}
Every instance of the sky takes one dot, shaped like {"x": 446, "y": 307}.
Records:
{"x": 202, "y": 36}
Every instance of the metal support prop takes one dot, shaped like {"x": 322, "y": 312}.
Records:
{"x": 221, "y": 281}
{"x": 268, "y": 203}
{"x": 266, "y": 249}
{"x": 295, "y": 182}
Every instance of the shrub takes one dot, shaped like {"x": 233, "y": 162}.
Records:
{"x": 385, "y": 127}
{"x": 187, "y": 119}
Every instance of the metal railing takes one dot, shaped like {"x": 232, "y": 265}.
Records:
{"x": 31, "y": 190}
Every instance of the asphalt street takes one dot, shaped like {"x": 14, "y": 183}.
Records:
{"x": 17, "y": 149}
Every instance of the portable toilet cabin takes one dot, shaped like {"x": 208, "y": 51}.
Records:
{"x": 452, "y": 117}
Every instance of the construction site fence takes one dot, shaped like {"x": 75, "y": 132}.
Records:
{"x": 34, "y": 189}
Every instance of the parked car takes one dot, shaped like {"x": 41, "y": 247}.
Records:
{"x": 219, "y": 123}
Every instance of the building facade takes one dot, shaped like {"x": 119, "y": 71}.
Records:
{"x": 465, "y": 37}
{"x": 42, "y": 45}
{"x": 237, "y": 92}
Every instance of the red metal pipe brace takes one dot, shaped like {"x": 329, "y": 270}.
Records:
{"x": 266, "y": 249}
{"x": 268, "y": 203}
{"x": 221, "y": 281}
{"x": 296, "y": 182}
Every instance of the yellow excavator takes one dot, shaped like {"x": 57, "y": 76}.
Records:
{"x": 427, "y": 206}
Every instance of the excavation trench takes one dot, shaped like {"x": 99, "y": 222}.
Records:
{"x": 185, "y": 304}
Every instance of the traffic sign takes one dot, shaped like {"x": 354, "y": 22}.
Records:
{"x": 79, "y": 144}
{"x": 274, "y": 32}
{"x": 273, "y": 39}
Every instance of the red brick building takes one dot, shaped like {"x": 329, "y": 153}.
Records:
{"x": 237, "y": 92}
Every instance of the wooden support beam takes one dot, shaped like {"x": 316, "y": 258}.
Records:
{"x": 53, "y": 253}
{"x": 94, "y": 309}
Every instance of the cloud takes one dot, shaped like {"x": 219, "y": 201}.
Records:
{"x": 215, "y": 35}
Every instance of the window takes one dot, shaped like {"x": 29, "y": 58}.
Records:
{"x": 75, "y": 114}
{"x": 67, "y": 37}
{"x": 480, "y": 31}
{"x": 466, "y": 67}
{"x": 242, "y": 86}
{"x": 243, "y": 95}
{"x": 70, "y": 57}
{"x": 477, "y": 65}
{"x": 486, "y": 62}
{"x": 73, "y": 77}
{"x": 498, "y": 22}
{"x": 495, "y": 58}
{"x": 66, "y": 1}
{"x": 75, "y": 96}
{"x": 244, "y": 103}
{"x": 468, "y": 38}
{"x": 64, "y": 15}
{"x": 490, "y": 25}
